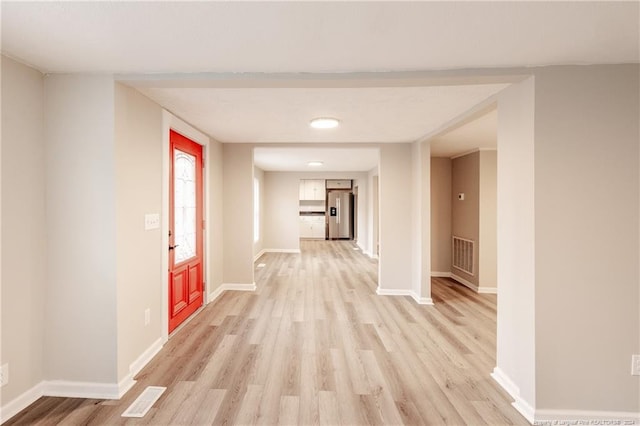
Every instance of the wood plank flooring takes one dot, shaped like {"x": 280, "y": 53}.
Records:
{"x": 315, "y": 345}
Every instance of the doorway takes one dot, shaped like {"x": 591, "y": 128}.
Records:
{"x": 186, "y": 267}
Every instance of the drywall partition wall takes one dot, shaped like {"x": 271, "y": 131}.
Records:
{"x": 282, "y": 192}
{"x": 238, "y": 213}
{"x": 258, "y": 173}
{"x": 395, "y": 218}
{"x": 465, "y": 221}
{"x": 586, "y": 230}
{"x": 421, "y": 221}
{"x": 487, "y": 220}
{"x": 375, "y": 212}
{"x": 80, "y": 309}
{"x": 215, "y": 215}
{"x": 23, "y": 228}
{"x": 138, "y": 162}
{"x": 440, "y": 216}
{"x": 516, "y": 347}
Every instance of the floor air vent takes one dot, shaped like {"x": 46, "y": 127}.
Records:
{"x": 144, "y": 401}
{"x": 463, "y": 254}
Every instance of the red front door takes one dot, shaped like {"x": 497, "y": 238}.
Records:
{"x": 185, "y": 229}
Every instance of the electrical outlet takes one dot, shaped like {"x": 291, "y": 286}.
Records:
{"x": 147, "y": 316}
{"x": 4, "y": 374}
{"x": 635, "y": 365}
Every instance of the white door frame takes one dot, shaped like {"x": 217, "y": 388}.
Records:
{"x": 171, "y": 122}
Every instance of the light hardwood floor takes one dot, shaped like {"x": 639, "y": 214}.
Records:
{"x": 315, "y": 345}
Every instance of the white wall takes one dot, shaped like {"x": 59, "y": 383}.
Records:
{"x": 80, "y": 334}
{"x": 395, "y": 267}
{"x": 373, "y": 229}
{"x": 215, "y": 217}
{"x": 258, "y": 173}
{"x": 282, "y": 193}
{"x": 138, "y": 155}
{"x": 23, "y": 228}
{"x": 465, "y": 214}
{"x": 238, "y": 213}
{"x": 515, "y": 352}
{"x": 421, "y": 220}
{"x": 587, "y": 291}
{"x": 487, "y": 219}
{"x": 441, "y": 215}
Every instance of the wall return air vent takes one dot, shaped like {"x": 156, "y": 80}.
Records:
{"x": 463, "y": 254}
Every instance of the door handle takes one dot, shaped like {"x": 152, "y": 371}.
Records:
{"x": 172, "y": 247}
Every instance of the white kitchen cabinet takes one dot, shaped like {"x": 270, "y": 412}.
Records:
{"x": 312, "y": 227}
{"x": 338, "y": 184}
{"x": 312, "y": 189}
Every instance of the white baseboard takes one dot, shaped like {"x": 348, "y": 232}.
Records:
{"x": 570, "y": 416}
{"x": 69, "y": 389}
{"x": 422, "y": 300}
{"x": 392, "y": 292}
{"x": 21, "y": 402}
{"x": 92, "y": 390}
{"x": 436, "y": 274}
{"x": 137, "y": 366}
{"x": 239, "y": 287}
{"x": 466, "y": 283}
{"x": 229, "y": 286}
{"x": 259, "y": 255}
{"x": 402, "y": 292}
{"x": 294, "y": 251}
{"x": 512, "y": 389}
{"x": 215, "y": 294}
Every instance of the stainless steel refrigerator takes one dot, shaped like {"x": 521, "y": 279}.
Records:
{"x": 340, "y": 210}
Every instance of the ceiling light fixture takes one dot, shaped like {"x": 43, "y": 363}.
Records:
{"x": 315, "y": 163}
{"x": 324, "y": 123}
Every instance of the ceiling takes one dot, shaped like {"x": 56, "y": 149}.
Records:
{"x": 369, "y": 114}
{"x": 295, "y": 159}
{"x": 160, "y": 48}
{"x": 478, "y": 133}
{"x": 276, "y": 37}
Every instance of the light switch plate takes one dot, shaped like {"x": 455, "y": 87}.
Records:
{"x": 151, "y": 221}
{"x": 4, "y": 374}
{"x": 635, "y": 365}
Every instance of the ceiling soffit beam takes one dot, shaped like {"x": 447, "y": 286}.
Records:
{"x": 328, "y": 80}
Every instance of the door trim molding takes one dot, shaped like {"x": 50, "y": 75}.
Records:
{"x": 171, "y": 122}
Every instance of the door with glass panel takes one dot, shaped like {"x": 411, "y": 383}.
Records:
{"x": 185, "y": 229}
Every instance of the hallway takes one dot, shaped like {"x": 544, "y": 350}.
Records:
{"x": 315, "y": 345}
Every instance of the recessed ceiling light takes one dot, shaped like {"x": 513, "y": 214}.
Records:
{"x": 315, "y": 163}
{"x": 324, "y": 123}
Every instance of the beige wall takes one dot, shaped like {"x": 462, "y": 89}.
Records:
{"x": 487, "y": 219}
{"x": 282, "y": 193}
{"x": 587, "y": 237}
{"x": 259, "y": 245}
{"x": 81, "y": 313}
{"x": 441, "y": 215}
{"x": 465, "y": 221}
{"x": 421, "y": 220}
{"x": 215, "y": 216}
{"x": 395, "y": 183}
{"x": 515, "y": 352}
{"x": 238, "y": 213}
{"x": 23, "y": 228}
{"x": 138, "y": 155}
